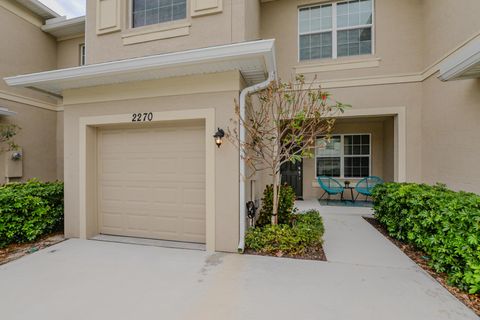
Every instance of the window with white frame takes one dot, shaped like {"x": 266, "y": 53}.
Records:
{"x": 335, "y": 30}
{"x": 82, "y": 54}
{"x": 147, "y": 12}
{"x": 344, "y": 156}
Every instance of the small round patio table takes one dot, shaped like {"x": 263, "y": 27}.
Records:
{"x": 349, "y": 187}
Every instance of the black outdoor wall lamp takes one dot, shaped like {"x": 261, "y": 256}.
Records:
{"x": 219, "y": 137}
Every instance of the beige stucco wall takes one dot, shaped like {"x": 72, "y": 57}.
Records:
{"x": 37, "y": 137}
{"x": 447, "y": 24}
{"x": 389, "y": 150}
{"x": 26, "y": 49}
{"x": 68, "y": 52}
{"x": 223, "y": 89}
{"x": 59, "y": 144}
{"x": 228, "y": 26}
{"x": 280, "y": 21}
{"x": 450, "y": 112}
{"x": 450, "y": 129}
{"x": 33, "y": 51}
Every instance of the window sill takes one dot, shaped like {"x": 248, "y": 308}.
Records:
{"x": 337, "y": 65}
{"x": 156, "y": 32}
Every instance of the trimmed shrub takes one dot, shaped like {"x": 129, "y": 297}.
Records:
{"x": 304, "y": 231}
{"x": 285, "y": 207}
{"x": 442, "y": 223}
{"x": 30, "y": 210}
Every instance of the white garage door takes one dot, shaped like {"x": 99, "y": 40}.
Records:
{"x": 151, "y": 181}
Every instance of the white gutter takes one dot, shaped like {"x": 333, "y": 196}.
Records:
{"x": 243, "y": 96}
{"x": 56, "y": 24}
{"x": 6, "y": 112}
{"x": 39, "y": 8}
{"x": 464, "y": 64}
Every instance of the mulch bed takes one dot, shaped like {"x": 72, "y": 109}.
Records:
{"x": 16, "y": 251}
{"x": 470, "y": 300}
{"x": 312, "y": 253}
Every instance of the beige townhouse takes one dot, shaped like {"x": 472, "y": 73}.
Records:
{"x": 131, "y": 131}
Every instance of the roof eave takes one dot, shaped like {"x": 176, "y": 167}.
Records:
{"x": 42, "y": 80}
{"x": 464, "y": 64}
{"x": 62, "y": 27}
{"x": 39, "y": 8}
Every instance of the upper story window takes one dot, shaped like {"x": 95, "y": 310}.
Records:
{"x": 146, "y": 12}
{"x": 336, "y": 30}
{"x": 82, "y": 54}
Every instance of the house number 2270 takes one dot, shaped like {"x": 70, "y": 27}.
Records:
{"x": 142, "y": 117}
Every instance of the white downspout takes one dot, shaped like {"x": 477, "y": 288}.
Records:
{"x": 243, "y": 95}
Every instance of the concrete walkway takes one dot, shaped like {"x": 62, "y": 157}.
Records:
{"x": 350, "y": 239}
{"x": 366, "y": 278}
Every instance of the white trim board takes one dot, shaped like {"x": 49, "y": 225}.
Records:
{"x": 29, "y": 101}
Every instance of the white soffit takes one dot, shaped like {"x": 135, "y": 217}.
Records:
{"x": 254, "y": 59}
{"x": 62, "y": 27}
{"x": 39, "y": 8}
{"x": 464, "y": 64}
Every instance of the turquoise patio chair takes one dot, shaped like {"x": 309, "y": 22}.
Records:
{"x": 331, "y": 187}
{"x": 366, "y": 185}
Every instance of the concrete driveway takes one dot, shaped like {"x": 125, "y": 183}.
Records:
{"x": 100, "y": 280}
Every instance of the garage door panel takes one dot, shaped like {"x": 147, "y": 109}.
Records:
{"x": 193, "y": 165}
{"x": 138, "y": 194}
{"x": 166, "y": 195}
{"x": 113, "y": 221}
{"x": 138, "y": 223}
{"x": 112, "y": 192}
{"x": 162, "y": 165}
{"x": 194, "y": 196}
{"x": 152, "y": 182}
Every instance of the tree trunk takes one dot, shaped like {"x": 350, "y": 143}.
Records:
{"x": 276, "y": 198}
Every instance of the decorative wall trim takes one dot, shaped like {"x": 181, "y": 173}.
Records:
{"x": 397, "y": 78}
{"x": 205, "y": 7}
{"x": 108, "y": 16}
{"x": 337, "y": 65}
{"x": 371, "y": 81}
{"x": 29, "y": 101}
{"x": 156, "y": 32}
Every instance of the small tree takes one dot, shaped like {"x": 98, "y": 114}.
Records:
{"x": 282, "y": 127}
{"x": 7, "y": 133}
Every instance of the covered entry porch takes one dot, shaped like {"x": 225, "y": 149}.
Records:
{"x": 364, "y": 143}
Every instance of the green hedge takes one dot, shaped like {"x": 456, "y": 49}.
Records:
{"x": 30, "y": 210}
{"x": 304, "y": 230}
{"x": 442, "y": 223}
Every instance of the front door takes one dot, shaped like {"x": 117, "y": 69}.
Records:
{"x": 292, "y": 174}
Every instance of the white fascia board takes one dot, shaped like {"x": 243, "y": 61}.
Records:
{"x": 59, "y": 23}
{"x": 461, "y": 62}
{"x": 39, "y": 8}
{"x": 62, "y": 27}
{"x": 177, "y": 59}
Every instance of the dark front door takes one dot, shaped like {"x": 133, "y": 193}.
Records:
{"x": 292, "y": 174}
